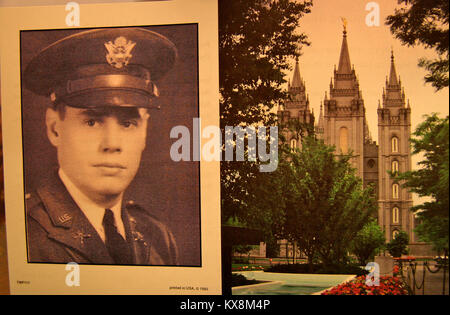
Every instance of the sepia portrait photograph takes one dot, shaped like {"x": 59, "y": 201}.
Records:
{"x": 97, "y": 109}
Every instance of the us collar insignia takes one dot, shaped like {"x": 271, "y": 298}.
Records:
{"x": 119, "y": 52}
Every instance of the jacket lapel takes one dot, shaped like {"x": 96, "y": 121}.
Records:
{"x": 70, "y": 226}
{"x": 139, "y": 245}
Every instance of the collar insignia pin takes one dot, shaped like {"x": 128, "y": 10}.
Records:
{"x": 119, "y": 52}
{"x": 81, "y": 236}
{"x": 64, "y": 218}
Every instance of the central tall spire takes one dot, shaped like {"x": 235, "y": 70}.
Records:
{"x": 344, "y": 59}
{"x": 393, "y": 74}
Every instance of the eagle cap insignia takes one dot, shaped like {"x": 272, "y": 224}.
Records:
{"x": 119, "y": 52}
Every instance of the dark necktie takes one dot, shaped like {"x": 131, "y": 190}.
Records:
{"x": 118, "y": 248}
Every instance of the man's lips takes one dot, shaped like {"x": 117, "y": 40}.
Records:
{"x": 110, "y": 165}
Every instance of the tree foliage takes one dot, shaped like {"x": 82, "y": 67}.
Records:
{"x": 313, "y": 199}
{"x": 367, "y": 241}
{"x": 431, "y": 139}
{"x": 257, "y": 38}
{"x": 425, "y": 22}
{"x": 326, "y": 204}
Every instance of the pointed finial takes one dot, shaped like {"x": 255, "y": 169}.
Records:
{"x": 392, "y": 53}
{"x": 344, "y": 24}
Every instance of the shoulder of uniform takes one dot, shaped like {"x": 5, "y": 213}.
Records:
{"x": 36, "y": 211}
{"x": 32, "y": 201}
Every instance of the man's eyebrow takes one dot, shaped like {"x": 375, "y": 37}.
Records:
{"x": 95, "y": 113}
{"x": 120, "y": 113}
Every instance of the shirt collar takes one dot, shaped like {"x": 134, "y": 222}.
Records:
{"x": 93, "y": 212}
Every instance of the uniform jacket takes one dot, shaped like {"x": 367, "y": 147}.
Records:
{"x": 58, "y": 231}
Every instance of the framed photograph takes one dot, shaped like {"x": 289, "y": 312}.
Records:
{"x": 100, "y": 196}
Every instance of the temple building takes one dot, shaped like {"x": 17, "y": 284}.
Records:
{"x": 342, "y": 123}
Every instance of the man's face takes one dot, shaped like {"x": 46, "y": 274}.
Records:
{"x": 99, "y": 149}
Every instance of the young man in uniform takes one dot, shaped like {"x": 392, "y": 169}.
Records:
{"x": 101, "y": 84}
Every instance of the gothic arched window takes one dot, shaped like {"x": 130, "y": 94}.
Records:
{"x": 343, "y": 140}
{"x": 395, "y": 215}
{"x": 395, "y": 189}
{"x": 395, "y": 233}
{"x": 394, "y": 144}
{"x": 394, "y": 166}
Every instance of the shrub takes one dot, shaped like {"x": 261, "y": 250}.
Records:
{"x": 239, "y": 280}
{"x": 368, "y": 241}
{"x": 398, "y": 246}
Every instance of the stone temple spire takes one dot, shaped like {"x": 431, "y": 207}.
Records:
{"x": 297, "y": 89}
{"x": 297, "y": 103}
{"x": 344, "y": 58}
{"x": 393, "y": 73}
{"x": 297, "y": 79}
{"x": 393, "y": 94}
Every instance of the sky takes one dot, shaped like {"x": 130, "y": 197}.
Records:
{"x": 370, "y": 53}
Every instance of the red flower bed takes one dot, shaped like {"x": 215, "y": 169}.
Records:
{"x": 247, "y": 268}
{"x": 388, "y": 286}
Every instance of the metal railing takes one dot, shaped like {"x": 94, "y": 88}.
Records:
{"x": 409, "y": 273}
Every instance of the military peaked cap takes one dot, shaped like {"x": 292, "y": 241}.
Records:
{"x": 102, "y": 67}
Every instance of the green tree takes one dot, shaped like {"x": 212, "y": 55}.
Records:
{"x": 431, "y": 139}
{"x": 257, "y": 38}
{"x": 399, "y": 245}
{"x": 368, "y": 241}
{"x": 425, "y": 22}
{"x": 325, "y": 204}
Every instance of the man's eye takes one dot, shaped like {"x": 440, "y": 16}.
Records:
{"x": 129, "y": 123}
{"x": 90, "y": 122}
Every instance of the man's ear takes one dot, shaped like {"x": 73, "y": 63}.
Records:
{"x": 52, "y": 120}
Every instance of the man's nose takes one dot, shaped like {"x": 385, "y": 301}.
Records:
{"x": 111, "y": 136}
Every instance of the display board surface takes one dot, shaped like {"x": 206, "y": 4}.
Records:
{"x": 178, "y": 252}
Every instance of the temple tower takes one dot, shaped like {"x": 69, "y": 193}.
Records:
{"x": 394, "y": 154}
{"x": 344, "y": 122}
